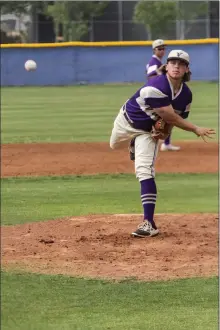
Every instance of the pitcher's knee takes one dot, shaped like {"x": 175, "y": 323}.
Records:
{"x": 118, "y": 144}
{"x": 144, "y": 173}
{"x": 112, "y": 144}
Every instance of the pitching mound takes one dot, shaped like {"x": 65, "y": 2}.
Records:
{"x": 92, "y": 158}
{"x": 101, "y": 246}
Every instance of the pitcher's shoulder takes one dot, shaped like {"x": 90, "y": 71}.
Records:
{"x": 160, "y": 82}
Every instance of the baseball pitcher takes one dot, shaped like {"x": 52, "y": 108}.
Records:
{"x": 148, "y": 116}
{"x": 152, "y": 69}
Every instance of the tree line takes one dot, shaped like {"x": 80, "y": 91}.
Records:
{"x": 75, "y": 16}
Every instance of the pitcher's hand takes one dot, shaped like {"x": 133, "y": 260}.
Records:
{"x": 204, "y": 132}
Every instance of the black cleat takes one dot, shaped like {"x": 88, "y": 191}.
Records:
{"x": 145, "y": 229}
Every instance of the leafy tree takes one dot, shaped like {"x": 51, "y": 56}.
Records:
{"x": 157, "y": 15}
{"x": 75, "y": 16}
{"x": 190, "y": 10}
{"x": 16, "y": 7}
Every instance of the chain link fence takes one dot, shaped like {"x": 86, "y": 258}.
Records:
{"x": 129, "y": 31}
{"x": 24, "y": 29}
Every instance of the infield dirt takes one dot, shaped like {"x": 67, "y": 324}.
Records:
{"x": 101, "y": 245}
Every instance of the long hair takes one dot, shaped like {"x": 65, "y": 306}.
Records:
{"x": 162, "y": 70}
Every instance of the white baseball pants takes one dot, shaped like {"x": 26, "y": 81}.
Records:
{"x": 146, "y": 148}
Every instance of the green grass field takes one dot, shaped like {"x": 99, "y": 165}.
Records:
{"x": 40, "y": 302}
{"x": 84, "y": 113}
{"x": 55, "y": 197}
{"x": 43, "y": 302}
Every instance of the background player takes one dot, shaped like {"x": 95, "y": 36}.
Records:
{"x": 168, "y": 97}
{"x": 159, "y": 49}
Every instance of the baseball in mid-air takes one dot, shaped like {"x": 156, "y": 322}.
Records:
{"x": 30, "y": 65}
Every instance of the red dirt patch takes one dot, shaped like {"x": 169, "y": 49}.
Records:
{"x": 101, "y": 246}
{"x": 93, "y": 158}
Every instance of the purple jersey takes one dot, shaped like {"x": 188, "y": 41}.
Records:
{"x": 156, "y": 93}
{"x": 153, "y": 65}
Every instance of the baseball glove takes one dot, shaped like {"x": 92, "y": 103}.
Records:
{"x": 161, "y": 130}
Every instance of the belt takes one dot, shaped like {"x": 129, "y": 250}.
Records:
{"x": 126, "y": 116}
{"x": 135, "y": 125}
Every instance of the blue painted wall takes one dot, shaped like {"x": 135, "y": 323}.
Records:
{"x": 96, "y": 65}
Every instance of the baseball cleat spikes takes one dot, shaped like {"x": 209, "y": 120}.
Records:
{"x": 145, "y": 229}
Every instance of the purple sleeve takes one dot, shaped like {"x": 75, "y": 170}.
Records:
{"x": 184, "y": 115}
{"x": 152, "y": 67}
{"x": 155, "y": 103}
{"x": 151, "y": 74}
{"x": 153, "y": 97}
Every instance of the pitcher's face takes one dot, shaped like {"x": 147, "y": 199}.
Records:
{"x": 177, "y": 68}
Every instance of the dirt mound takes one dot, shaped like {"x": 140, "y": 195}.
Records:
{"x": 101, "y": 246}
{"x": 93, "y": 158}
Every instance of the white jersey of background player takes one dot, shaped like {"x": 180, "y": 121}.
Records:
{"x": 166, "y": 96}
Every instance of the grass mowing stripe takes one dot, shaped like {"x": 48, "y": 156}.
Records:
{"x": 44, "y": 198}
{"x": 85, "y": 108}
{"x": 68, "y": 107}
{"x": 53, "y": 123}
{"x": 41, "y": 302}
{"x": 57, "y": 112}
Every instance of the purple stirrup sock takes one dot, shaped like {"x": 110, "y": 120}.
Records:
{"x": 167, "y": 140}
{"x": 148, "y": 198}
